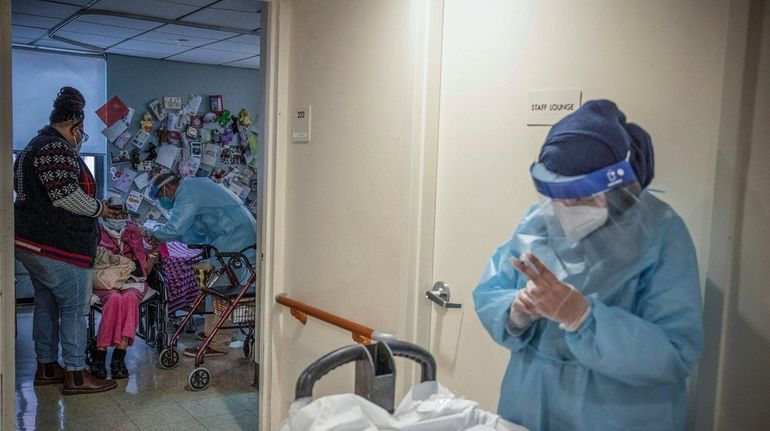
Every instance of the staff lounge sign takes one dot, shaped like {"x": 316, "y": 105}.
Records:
{"x": 547, "y": 107}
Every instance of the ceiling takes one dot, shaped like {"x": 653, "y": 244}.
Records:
{"x": 220, "y": 32}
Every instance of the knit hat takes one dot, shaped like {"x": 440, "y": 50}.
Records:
{"x": 596, "y": 136}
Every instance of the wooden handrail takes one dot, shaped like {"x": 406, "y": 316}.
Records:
{"x": 361, "y": 334}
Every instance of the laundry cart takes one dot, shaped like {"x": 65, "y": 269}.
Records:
{"x": 427, "y": 406}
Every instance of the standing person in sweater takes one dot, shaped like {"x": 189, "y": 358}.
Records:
{"x": 56, "y": 213}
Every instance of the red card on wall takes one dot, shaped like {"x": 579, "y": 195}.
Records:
{"x": 112, "y": 111}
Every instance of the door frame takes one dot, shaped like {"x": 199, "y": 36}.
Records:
{"x": 7, "y": 289}
{"x": 276, "y": 74}
{"x": 426, "y": 52}
{"x": 272, "y": 206}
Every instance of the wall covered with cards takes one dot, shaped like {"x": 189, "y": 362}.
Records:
{"x": 191, "y": 119}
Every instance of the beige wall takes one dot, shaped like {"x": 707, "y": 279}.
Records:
{"x": 347, "y": 191}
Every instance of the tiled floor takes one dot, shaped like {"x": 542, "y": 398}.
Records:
{"x": 150, "y": 399}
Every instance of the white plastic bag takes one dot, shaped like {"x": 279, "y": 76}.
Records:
{"x": 427, "y": 407}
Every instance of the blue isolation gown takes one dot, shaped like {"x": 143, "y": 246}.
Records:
{"x": 205, "y": 212}
{"x": 627, "y": 365}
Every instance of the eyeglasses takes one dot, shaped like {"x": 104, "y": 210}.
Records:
{"x": 85, "y": 136}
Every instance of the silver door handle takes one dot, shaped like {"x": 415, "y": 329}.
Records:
{"x": 440, "y": 295}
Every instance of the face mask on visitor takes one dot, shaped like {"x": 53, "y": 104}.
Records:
{"x": 79, "y": 142}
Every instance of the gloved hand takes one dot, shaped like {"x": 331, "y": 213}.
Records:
{"x": 523, "y": 312}
{"x": 551, "y": 298}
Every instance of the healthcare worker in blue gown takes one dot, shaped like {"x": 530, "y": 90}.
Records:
{"x": 202, "y": 212}
{"x": 205, "y": 212}
{"x": 597, "y": 294}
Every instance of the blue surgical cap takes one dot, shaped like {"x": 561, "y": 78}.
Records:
{"x": 596, "y": 136}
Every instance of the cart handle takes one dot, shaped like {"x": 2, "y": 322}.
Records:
{"x": 356, "y": 352}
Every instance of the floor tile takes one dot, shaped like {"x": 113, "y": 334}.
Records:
{"x": 99, "y": 420}
{"x": 238, "y": 422}
{"x": 191, "y": 425}
{"x": 39, "y": 422}
{"x": 208, "y": 407}
{"x": 166, "y": 414}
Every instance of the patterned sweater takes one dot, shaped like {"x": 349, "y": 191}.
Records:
{"x": 56, "y": 208}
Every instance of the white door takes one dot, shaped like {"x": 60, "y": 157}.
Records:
{"x": 493, "y": 54}
{"x": 482, "y": 190}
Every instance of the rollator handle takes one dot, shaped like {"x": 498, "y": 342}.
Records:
{"x": 206, "y": 248}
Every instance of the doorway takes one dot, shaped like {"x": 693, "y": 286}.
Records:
{"x": 233, "y": 399}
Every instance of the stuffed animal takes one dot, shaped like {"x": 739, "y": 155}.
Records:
{"x": 243, "y": 118}
{"x": 225, "y": 118}
{"x": 210, "y": 117}
{"x": 146, "y": 122}
{"x": 226, "y": 137}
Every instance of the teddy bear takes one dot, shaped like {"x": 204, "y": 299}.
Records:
{"x": 243, "y": 118}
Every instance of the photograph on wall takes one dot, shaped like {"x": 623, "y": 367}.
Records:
{"x": 142, "y": 180}
{"x": 203, "y": 172}
{"x": 113, "y": 132}
{"x": 122, "y": 179}
{"x": 192, "y": 132}
{"x": 205, "y": 135}
{"x": 134, "y": 201}
{"x": 167, "y": 155}
{"x": 140, "y": 139}
{"x": 189, "y": 167}
{"x": 210, "y": 154}
{"x": 172, "y": 103}
{"x": 216, "y": 104}
{"x": 123, "y": 139}
{"x": 192, "y": 104}
{"x": 119, "y": 156}
{"x": 196, "y": 148}
{"x": 156, "y": 107}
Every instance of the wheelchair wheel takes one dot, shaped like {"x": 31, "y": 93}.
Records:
{"x": 168, "y": 358}
{"x": 90, "y": 347}
{"x": 199, "y": 379}
{"x": 248, "y": 346}
{"x": 151, "y": 334}
{"x": 161, "y": 340}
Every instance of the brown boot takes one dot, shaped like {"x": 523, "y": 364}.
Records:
{"x": 50, "y": 373}
{"x": 82, "y": 382}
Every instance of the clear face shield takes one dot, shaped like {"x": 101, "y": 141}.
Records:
{"x": 593, "y": 218}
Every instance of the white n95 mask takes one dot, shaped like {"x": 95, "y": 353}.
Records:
{"x": 578, "y": 221}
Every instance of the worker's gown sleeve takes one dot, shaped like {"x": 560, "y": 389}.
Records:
{"x": 626, "y": 367}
